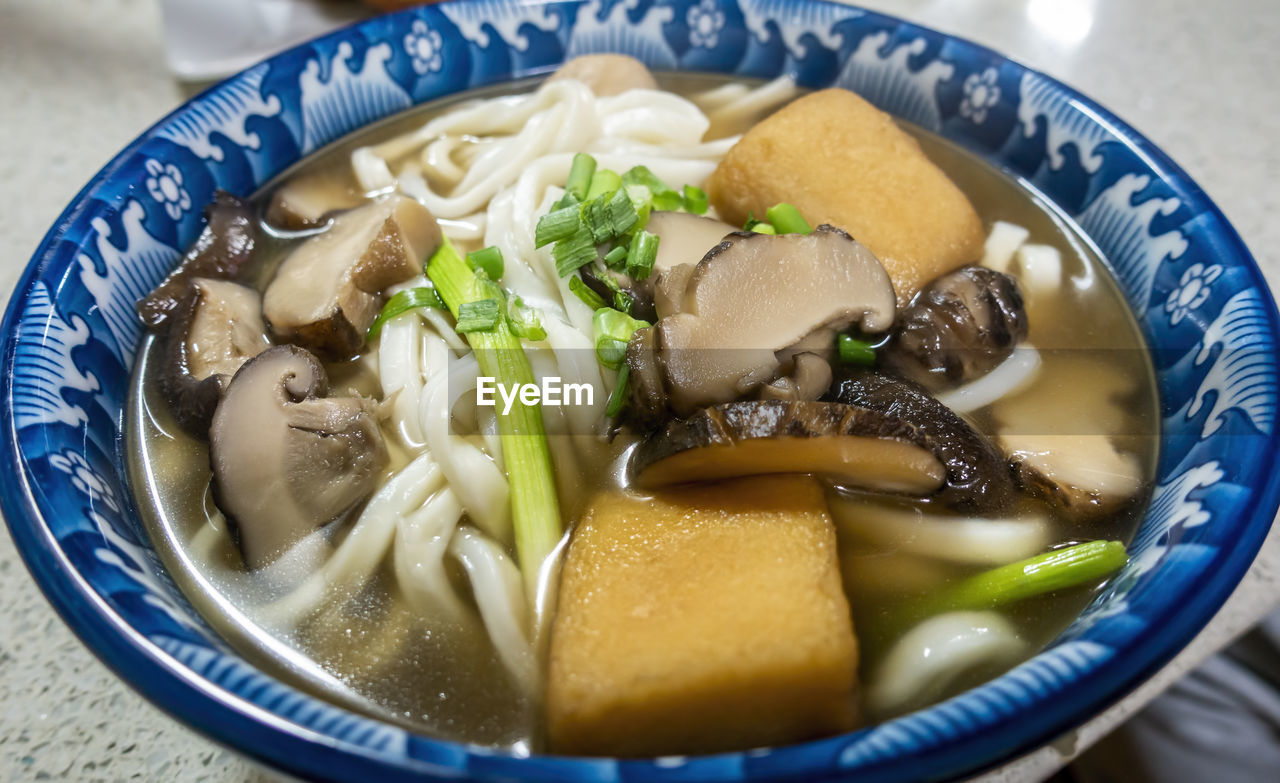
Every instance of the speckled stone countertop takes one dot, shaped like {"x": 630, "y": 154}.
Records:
{"x": 80, "y": 78}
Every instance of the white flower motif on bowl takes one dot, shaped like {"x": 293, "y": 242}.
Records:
{"x": 981, "y": 94}
{"x": 423, "y": 45}
{"x": 1192, "y": 291}
{"x": 706, "y": 21}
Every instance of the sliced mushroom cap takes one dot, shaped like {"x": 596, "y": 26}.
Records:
{"x": 285, "y": 458}
{"x": 327, "y": 293}
{"x": 215, "y": 329}
{"x": 756, "y": 295}
{"x": 222, "y": 251}
{"x": 683, "y": 240}
{"x": 856, "y": 447}
{"x": 607, "y": 74}
{"x": 959, "y": 328}
{"x": 309, "y": 200}
{"x": 978, "y": 477}
{"x": 1083, "y": 475}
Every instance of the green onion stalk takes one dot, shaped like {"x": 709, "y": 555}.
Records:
{"x": 535, "y": 509}
{"x": 1056, "y": 570}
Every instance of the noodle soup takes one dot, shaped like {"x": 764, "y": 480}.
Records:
{"x": 830, "y": 426}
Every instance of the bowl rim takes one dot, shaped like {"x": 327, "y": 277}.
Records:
{"x": 231, "y": 720}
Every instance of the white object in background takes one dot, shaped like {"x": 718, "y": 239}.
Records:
{"x": 205, "y": 40}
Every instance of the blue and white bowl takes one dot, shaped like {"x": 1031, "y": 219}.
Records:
{"x": 70, "y": 337}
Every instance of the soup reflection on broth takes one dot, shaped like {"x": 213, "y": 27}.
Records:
{"x": 613, "y": 415}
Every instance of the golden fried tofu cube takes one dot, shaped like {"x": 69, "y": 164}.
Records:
{"x": 842, "y": 161}
{"x": 706, "y": 619}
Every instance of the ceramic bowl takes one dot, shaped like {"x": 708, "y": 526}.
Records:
{"x": 70, "y": 336}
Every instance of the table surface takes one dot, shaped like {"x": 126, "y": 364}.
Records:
{"x": 81, "y": 78}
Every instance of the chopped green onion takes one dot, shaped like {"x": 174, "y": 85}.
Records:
{"x": 403, "y": 302}
{"x": 595, "y": 216}
{"x": 602, "y": 182}
{"x": 764, "y": 228}
{"x": 787, "y": 219}
{"x": 612, "y": 330}
{"x": 582, "y": 291}
{"x": 1056, "y": 570}
{"x": 611, "y": 352}
{"x": 663, "y": 196}
{"x": 695, "y": 200}
{"x": 623, "y": 301}
{"x": 614, "y": 258}
{"x": 621, "y": 212}
{"x": 525, "y": 322}
{"x": 535, "y": 508}
{"x": 668, "y": 200}
{"x": 855, "y": 351}
{"x": 580, "y": 174}
{"x": 642, "y": 254}
{"x": 557, "y": 225}
{"x": 642, "y": 202}
{"x": 481, "y": 315}
{"x": 618, "y": 397}
{"x": 488, "y": 259}
{"x": 575, "y": 252}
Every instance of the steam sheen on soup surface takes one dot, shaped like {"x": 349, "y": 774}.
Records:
{"x": 623, "y": 415}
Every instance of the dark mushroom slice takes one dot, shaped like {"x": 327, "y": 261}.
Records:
{"x": 854, "y": 447}
{"x": 607, "y": 74}
{"x": 328, "y": 291}
{"x": 978, "y": 477}
{"x": 216, "y": 328}
{"x": 287, "y": 459}
{"x": 222, "y": 252}
{"x": 1084, "y": 476}
{"x": 754, "y": 296}
{"x": 959, "y": 328}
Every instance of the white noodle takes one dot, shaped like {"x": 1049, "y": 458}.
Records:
{"x": 933, "y": 654}
{"x": 1012, "y": 375}
{"x": 967, "y": 540}
{"x": 499, "y": 593}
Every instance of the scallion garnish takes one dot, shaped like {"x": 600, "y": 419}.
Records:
{"x": 489, "y": 259}
{"x": 575, "y": 251}
{"x": 614, "y": 258}
{"x": 524, "y": 321}
{"x": 612, "y": 330}
{"x": 641, "y": 255}
{"x": 580, "y": 174}
{"x": 618, "y": 397}
{"x": 403, "y": 302}
{"x": 556, "y": 225}
{"x": 663, "y": 196}
{"x": 763, "y": 228}
{"x": 535, "y": 509}
{"x": 602, "y": 182}
{"x": 481, "y": 315}
{"x": 621, "y": 213}
{"x": 786, "y": 219}
{"x": 582, "y": 291}
{"x": 855, "y": 351}
{"x": 695, "y": 200}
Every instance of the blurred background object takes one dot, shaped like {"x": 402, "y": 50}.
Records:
{"x": 209, "y": 40}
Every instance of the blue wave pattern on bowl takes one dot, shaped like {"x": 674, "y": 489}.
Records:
{"x": 1197, "y": 294}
